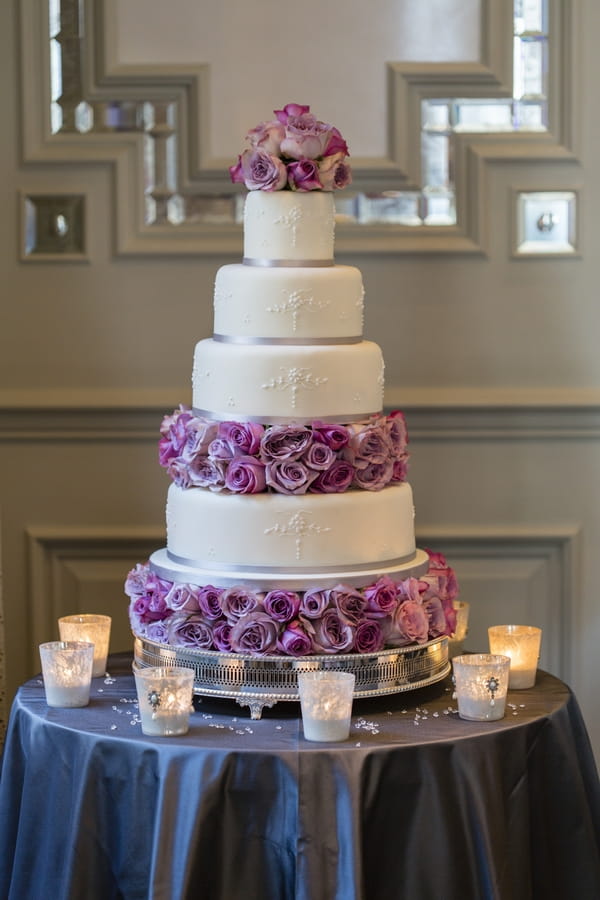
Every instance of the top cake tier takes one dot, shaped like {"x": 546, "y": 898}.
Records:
{"x": 289, "y": 228}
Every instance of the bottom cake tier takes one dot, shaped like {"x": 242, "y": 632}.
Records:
{"x": 262, "y": 681}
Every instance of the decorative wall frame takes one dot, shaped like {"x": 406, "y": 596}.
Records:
{"x": 181, "y": 97}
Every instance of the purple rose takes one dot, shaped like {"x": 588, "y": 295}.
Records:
{"x": 137, "y": 578}
{"x": 281, "y": 605}
{"x": 190, "y": 631}
{"x": 369, "y": 445}
{"x": 397, "y": 432}
{"x": 290, "y": 476}
{"x": 173, "y": 434}
{"x": 334, "y": 172}
{"x": 284, "y": 442}
{"x": 260, "y": 171}
{"x": 209, "y": 601}
{"x": 183, "y": 598}
{"x": 369, "y": 637}
{"x": 410, "y": 624}
{"x": 336, "y": 144}
{"x": 303, "y": 175}
{"x": 400, "y": 469}
{"x": 294, "y": 641}
{"x": 410, "y": 589}
{"x": 334, "y": 436}
{"x": 151, "y": 605}
{"x": 319, "y": 456}
{"x": 314, "y": 603}
{"x": 158, "y": 632}
{"x": 243, "y": 437}
{"x": 374, "y": 476}
{"x": 198, "y": 435}
{"x": 350, "y": 603}
{"x": 206, "y": 472}
{"x": 332, "y": 634}
{"x": 289, "y": 111}
{"x": 220, "y": 449}
{"x": 335, "y": 480}
{"x": 222, "y": 636}
{"x": 381, "y": 597}
{"x": 179, "y": 472}
{"x": 255, "y": 633}
{"x": 239, "y": 601}
{"x": 436, "y": 617}
{"x": 305, "y": 137}
{"x": 245, "y": 475}
{"x": 267, "y": 136}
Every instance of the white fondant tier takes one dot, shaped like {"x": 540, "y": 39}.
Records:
{"x": 294, "y": 534}
{"x": 287, "y": 226}
{"x": 289, "y": 383}
{"x": 292, "y": 304}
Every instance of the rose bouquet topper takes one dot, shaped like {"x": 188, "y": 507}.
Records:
{"x": 295, "y": 151}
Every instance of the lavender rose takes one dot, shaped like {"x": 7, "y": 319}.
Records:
{"x": 289, "y": 476}
{"x": 137, "y": 578}
{"x": 381, "y": 597}
{"x": 198, "y": 435}
{"x": 158, "y": 632}
{"x": 397, "y": 432}
{"x": 239, "y": 601}
{"x": 369, "y": 445}
{"x": 183, "y": 598}
{"x": 314, "y": 603}
{"x": 410, "y": 624}
{"x": 190, "y": 631}
{"x": 303, "y": 175}
{"x": 400, "y": 469}
{"x": 334, "y": 172}
{"x": 374, "y": 476}
{"x": 332, "y": 634}
{"x": 281, "y": 605}
{"x": 255, "y": 633}
{"x": 220, "y": 449}
{"x": 267, "y": 136}
{"x": 261, "y": 171}
{"x": 222, "y": 636}
{"x": 319, "y": 456}
{"x": 245, "y": 475}
{"x": 335, "y": 480}
{"x": 305, "y": 137}
{"x": 179, "y": 473}
{"x": 350, "y": 604}
{"x": 284, "y": 442}
{"x": 173, "y": 434}
{"x": 369, "y": 637}
{"x": 243, "y": 437}
{"x": 206, "y": 472}
{"x": 334, "y": 436}
{"x": 436, "y": 617}
{"x": 209, "y": 601}
{"x": 294, "y": 641}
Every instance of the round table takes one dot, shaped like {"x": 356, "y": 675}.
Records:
{"x": 417, "y": 804}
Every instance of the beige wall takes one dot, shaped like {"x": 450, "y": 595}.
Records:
{"x": 494, "y": 359}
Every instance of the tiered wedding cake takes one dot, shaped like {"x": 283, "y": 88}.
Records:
{"x": 289, "y": 520}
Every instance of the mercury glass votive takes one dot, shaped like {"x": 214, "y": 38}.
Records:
{"x": 457, "y": 640}
{"x": 67, "y": 672}
{"x": 92, "y": 628}
{"x": 522, "y": 644}
{"x": 165, "y": 699}
{"x": 481, "y": 683}
{"x": 326, "y": 704}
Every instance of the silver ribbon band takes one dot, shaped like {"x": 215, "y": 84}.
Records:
{"x": 286, "y": 570}
{"x": 295, "y": 342}
{"x": 215, "y": 416}
{"x": 287, "y": 263}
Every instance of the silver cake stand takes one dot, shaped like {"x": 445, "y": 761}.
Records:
{"x": 262, "y": 681}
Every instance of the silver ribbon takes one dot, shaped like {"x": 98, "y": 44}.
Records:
{"x": 216, "y": 416}
{"x": 287, "y": 570}
{"x": 287, "y": 263}
{"x": 295, "y": 342}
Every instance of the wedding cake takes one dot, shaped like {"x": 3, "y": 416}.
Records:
{"x": 290, "y": 520}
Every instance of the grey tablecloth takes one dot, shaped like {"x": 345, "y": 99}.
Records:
{"x": 417, "y": 805}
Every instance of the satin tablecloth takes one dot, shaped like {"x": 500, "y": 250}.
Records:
{"x": 417, "y": 805}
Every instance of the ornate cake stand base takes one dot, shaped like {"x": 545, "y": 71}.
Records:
{"x": 262, "y": 681}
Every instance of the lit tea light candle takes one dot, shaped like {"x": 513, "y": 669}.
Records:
{"x": 165, "y": 699}
{"x": 67, "y": 672}
{"x": 326, "y": 704}
{"x": 522, "y": 644}
{"x": 94, "y": 629}
{"x": 481, "y": 683}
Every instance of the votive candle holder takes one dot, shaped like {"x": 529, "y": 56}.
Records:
{"x": 67, "y": 672}
{"x": 456, "y": 641}
{"x": 92, "y": 628}
{"x": 481, "y": 684}
{"x": 522, "y": 644}
{"x": 326, "y": 704}
{"x": 165, "y": 699}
